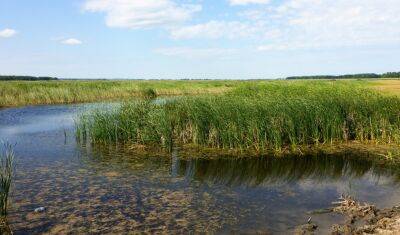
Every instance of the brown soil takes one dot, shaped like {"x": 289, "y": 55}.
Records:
{"x": 361, "y": 218}
{"x": 4, "y": 227}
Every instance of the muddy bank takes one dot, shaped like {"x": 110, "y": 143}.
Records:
{"x": 359, "y": 218}
{"x": 4, "y": 226}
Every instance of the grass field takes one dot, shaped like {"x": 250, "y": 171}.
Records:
{"x": 391, "y": 87}
{"x": 18, "y": 93}
{"x": 268, "y": 116}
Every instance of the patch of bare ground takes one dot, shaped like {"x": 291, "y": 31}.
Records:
{"x": 4, "y": 227}
{"x": 361, "y": 219}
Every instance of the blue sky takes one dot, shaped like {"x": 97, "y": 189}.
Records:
{"x": 221, "y": 39}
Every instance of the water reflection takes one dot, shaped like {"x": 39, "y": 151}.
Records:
{"x": 256, "y": 171}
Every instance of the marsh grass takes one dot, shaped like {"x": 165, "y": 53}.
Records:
{"x": 16, "y": 93}
{"x": 149, "y": 93}
{"x": 263, "y": 117}
{"x": 6, "y": 175}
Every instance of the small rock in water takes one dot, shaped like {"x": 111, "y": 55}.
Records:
{"x": 40, "y": 209}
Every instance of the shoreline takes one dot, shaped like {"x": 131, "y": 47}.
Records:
{"x": 385, "y": 153}
{"x": 358, "y": 218}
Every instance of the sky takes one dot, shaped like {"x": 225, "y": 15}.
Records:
{"x": 195, "y": 39}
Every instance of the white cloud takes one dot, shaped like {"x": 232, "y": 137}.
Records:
{"x": 214, "y": 30}
{"x": 270, "y": 47}
{"x": 306, "y": 24}
{"x": 303, "y": 24}
{"x": 187, "y": 52}
{"x": 245, "y": 2}
{"x": 71, "y": 41}
{"x": 252, "y": 14}
{"x": 7, "y": 33}
{"x": 284, "y": 25}
{"x": 142, "y": 13}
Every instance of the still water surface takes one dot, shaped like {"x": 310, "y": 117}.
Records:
{"x": 88, "y": 189}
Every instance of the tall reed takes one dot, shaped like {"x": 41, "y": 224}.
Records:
{"x": 6, "y": 175}
{"x": 15, "y": 93}
{"x": 269, "y": 116}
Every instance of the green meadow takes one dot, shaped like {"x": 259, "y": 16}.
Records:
{"x": 18, "y": 93}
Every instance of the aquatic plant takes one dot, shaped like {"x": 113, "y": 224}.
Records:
{"x": 6, "y": 174}
{"x": 268, "y": 116}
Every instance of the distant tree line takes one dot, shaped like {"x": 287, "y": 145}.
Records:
{"x": 349, "y": 76}
{"x": 391, "y": 75}
{"x": 24, "y": 78}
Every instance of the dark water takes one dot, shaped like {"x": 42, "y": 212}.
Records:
{"x": 88, "y": 189}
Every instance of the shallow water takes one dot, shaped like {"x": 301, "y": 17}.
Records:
{"x": 89, "y": 189}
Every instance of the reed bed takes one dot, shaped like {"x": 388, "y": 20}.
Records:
{"x": 6, "y": 174}
{"x": 263, "y": 117}
{"x": 16, "y": 93}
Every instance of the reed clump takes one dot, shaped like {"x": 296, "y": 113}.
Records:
{"x": 149, "y": 93}
{"x": 269, "y": 116}
{"x": 6, "y": 175}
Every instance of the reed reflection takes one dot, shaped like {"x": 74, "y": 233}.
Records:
{"x": 270, "y": 170}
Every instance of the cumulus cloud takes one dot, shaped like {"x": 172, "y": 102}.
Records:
{"x": 136, "y": 14}
{"x": 319, "y": 24}
{"x": 245, "y": 2}
{"x": 7, "y": 33}
{"x": 284, "y": 25}
{"x": 214, "y": 30}
{"x": 188, "y": 52}
{"x": 306, "y": 24}
{"x": 71, "y": 41}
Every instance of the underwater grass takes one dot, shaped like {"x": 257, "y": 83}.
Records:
{"x": 269, "y": 116}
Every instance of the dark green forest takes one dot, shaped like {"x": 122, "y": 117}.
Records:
{"x": 25, "y": 78}
{"x": 349, "y": 76}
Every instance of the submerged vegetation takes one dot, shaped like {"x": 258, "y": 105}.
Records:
{"x": 270, "y": 116}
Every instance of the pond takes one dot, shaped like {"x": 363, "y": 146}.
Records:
{"x": 89, "y": 189}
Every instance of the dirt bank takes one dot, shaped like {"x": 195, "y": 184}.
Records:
{"x": 360, "y": 218}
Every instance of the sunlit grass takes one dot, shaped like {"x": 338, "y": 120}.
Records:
{"x": 261, "y": 117}
{"x": 389, "y": 86}
{"x": 16, "y": 93}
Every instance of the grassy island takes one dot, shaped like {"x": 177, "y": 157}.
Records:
{"x": 263, "y": 117}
